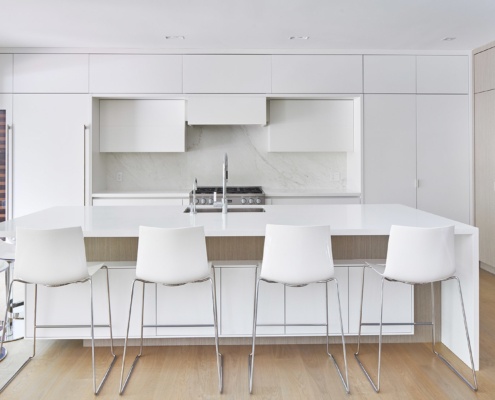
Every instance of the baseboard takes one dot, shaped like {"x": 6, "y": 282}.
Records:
{"x": 487, "y": 268}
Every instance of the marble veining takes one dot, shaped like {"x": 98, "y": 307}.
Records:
{"x": 250, "y": 163}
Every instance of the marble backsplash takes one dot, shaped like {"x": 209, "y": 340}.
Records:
{"x": 250, "y": 163}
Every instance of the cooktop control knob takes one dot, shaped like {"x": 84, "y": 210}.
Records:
{"x": 243, "y": 201}
{"x": 210, "y": 201}
{"x": 258, "y": 200}
{"x": 203, "y": 201}
{"x": 251, "y": 200}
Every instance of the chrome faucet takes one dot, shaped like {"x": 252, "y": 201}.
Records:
{"x": 224, "y": 183}
{"x": 193, "y": 201}
{"x": 225, "y": 178}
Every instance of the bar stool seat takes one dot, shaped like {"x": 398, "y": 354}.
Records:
{"x": 417, "y": 256}
{"x": 54, "y": 258}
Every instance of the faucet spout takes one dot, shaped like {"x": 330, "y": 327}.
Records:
{"x": 224, "y": 183}
{"x": 193, "y": 201}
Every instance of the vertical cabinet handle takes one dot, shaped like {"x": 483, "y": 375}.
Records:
{"x": 85, "y": 127}
{"x": 8, "y": 176}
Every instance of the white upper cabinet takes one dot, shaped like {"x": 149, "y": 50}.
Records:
{"x": 142, "y": 125}
{"x": 51, "y": 73}
{"x": 389, "y": 74}
{"x": 443, "y": 74}
{"x": 226, "y": 110}
{"x": 311, "y": 125}
{"x": 6, "y": 73}
{"x": 113, "y": 73}
{"x": 317, "y": 74}
{"x": 227, "y": 74}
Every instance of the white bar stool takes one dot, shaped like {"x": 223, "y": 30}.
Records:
{"x": 172, "y": 257}
{"x": 417, "y": 256}
{"x": 296, "y": 256}
{"x": 54, "y": 258}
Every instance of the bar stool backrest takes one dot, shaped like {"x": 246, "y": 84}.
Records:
{"x": 50, "y": 257}
{"x": 420, "y": 255}
{"x": 172, "y": 256}
{"x": 297, "y": 255}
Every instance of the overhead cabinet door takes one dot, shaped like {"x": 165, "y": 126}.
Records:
{"x": 227, "y": 74}
{"x": 311, "y": 125}
{"x": 142, "y": 125}
{"x": 116, "y": 73}
{"x": 6, "y": 61}
{"x": 317, "y": 74}
{"x": 48, "y": 140}
{"x": 51, "y": 73}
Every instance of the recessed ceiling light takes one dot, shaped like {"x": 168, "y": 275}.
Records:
{"x": 448, "y": 39}
{"x": 299, "y": 38}
{"x": 175, "y": 37}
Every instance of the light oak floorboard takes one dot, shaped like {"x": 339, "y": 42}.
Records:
{"x": 62, "y": 370}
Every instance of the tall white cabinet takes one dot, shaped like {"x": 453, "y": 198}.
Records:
{"x": 417, "y": 141}
{"x": 390, "y": 149}
{"x": 48, "y": 150}
{"x": 443, "y": 155}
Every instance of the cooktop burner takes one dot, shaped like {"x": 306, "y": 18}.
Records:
{"x": 230, "y": 190}
{"x": 236, "y": 195}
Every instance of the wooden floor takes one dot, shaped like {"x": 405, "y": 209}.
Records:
{"x": 62, "y": 370}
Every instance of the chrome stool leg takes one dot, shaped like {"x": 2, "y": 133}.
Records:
{"x": 345, "y": 381}
{"x": 251, "y": 356}
{"x": 474, "y": 385}
{"x": 376, "y": 387}
{"x": 215, "y": 323}
{"x": 123, "y": 386}
{"x": 114, "y": 357}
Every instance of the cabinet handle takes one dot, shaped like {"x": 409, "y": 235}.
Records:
{"x": 9, "y": 164}
{"x": 85, "y": 127}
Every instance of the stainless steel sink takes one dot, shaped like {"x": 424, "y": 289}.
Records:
{"x": 219, "y": 210}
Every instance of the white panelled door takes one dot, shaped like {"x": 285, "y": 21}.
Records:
{"x": 444, "y": 144}
{"x": 390, "y": 149}
{"x": 48, "y": 155}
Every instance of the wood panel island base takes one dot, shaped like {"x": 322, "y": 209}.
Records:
{"x": 235, "y": 246}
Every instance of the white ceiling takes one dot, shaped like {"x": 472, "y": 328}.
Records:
{"x": 248, "y": 24}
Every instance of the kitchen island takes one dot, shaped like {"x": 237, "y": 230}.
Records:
{"x": 235, "y": 245}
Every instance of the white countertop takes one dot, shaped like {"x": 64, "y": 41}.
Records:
{"x": 183, "y": 193}
{"x": 309, "y": 192}
{"x": 175, "y": 193}
{"x": 124, "y": 221}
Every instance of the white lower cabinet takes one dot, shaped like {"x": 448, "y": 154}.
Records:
{"x": 237, "y": 303}
{"x": 192, "y": 305}
{"x": 398, "y": 303}
{"x": 69, "y": 305}
{"x": 306, "y": 305}
{"x": 189, "y": 304}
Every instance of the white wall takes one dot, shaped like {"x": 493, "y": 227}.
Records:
{"x": 250, "y": 163}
